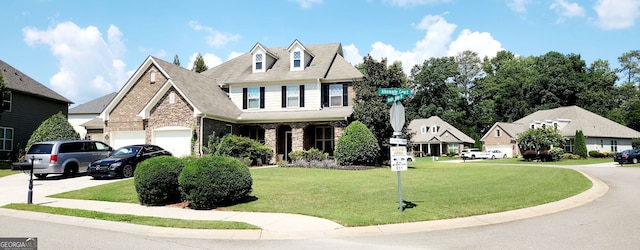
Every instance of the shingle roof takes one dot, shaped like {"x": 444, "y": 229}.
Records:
{"x": 94, "y": 106}
{"x": 591, "y": 124}
{"x": 18, "y": 81}
{"x": 328, "y": 64}
{"x": 445, "y": 129}
{"x": 200, "y": 90}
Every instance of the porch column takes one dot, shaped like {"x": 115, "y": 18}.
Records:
{"x": 297, "y": 137}
{"x": 429, "y": 149}
{"x": 270, "y": 140}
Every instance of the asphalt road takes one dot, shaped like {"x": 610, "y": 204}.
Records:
{"x": 610, "y": 222}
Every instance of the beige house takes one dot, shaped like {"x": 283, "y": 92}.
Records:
{"x": 290, "y": 98}
{"x": 435, "y": 137}
{"x": 601, "y": 134}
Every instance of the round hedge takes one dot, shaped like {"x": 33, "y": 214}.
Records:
{"x": 213, "y": 180}
{"x": 156, "y": 180}
{"x": 357, "y": 146}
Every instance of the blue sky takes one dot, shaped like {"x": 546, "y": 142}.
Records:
{"x": 86, "y": 49}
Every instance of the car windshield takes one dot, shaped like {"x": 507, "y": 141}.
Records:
{"x": 128, "y": 150}
{"x": 40, "y": 149}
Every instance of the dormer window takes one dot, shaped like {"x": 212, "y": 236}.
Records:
{"x": 296, "y": 59}
{"x": 258, "y": 62}
{"x": 423, "y": 129}
{"x": 434, "y": 129}
{"x": 152, "y": 75}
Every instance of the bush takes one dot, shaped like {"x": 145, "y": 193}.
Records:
{"x": 210, "y": 181}
{"x": 56, "y": 127}
{"x": 357, "y": 146}
{"x": 312, "y": 154}
{"x": 580, "y": 144}
{"x": 530, "y": 155}
{"x": 570, "y": 156}
{"x": 596, "y": 154}
{"x": 243, "y": 147}
{"x": 556, "y": 153}
{"x": 156, "y": 180}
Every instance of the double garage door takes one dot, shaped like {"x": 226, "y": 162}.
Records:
{"x": 507, "y": 149}
{"x": 176, "y": 140}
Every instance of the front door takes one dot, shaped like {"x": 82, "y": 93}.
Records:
{"x": 288, "y": 144}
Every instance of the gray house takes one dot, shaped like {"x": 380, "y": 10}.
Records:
{"x": 26, "y": 104}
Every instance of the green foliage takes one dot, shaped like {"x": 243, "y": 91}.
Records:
{"x": 357, "y": 146}
{"x": 176, "y": 60}
{"x": 312, "y": 154}
{"x": 244, "y": 148}
{"x": 156, "y": 180}
{"x": 556, "y": 153}
{"x": 596, "y": 154}
{"x": 539, "y": 139}
{"x": 212, "y": 143}
{"x": 580, "y": 144}
{"x": 56, "y": 127}
{"x": 570, "y": 156}
{"x": 635, "y": 142}
{"x": 210, "y": 181}
{"x": 199, "y": 65}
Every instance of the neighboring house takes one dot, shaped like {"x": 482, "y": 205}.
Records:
{"x": 601, "y": 134}
{"x": 26, "y": 104}
{"x": 433, "y": 136}
{"x": 289, "y": 98}
{"x": 84, "y": 117}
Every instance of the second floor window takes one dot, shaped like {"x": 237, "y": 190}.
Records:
{"x": 253, "y": 98}
{"x": 335, "y": 95}
{"x": 296, "y": 59}
{"x": 258, "y": 61}
{"x": 293, "y": 96}
{"x": 6, "y": 100}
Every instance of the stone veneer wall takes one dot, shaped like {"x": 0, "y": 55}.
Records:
{"x": 167, "y": 114}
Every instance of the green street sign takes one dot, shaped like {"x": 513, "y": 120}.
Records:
{"x": 394, "y": 91}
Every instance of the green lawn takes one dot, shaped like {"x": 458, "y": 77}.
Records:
{"x": 436, "y": 190}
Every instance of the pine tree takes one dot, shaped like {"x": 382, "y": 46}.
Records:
{"x": 580, "y": 145}
{"x": 199, "y": 65}
{"x": 176, "y": 61}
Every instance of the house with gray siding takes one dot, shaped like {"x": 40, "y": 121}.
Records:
{"x": 26, "y": 104}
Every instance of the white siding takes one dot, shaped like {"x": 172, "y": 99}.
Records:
{"x": 273, "y": 96}
{"x": 77, "y": 120}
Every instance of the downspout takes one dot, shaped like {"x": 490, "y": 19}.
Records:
{"x": 201, "y": 133}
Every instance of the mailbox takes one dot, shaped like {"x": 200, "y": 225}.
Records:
{"x": 21, "y": 166}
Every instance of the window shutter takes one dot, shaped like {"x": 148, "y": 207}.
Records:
{"x": 284, "y": 96}
{"x": 261, "y": 97}
{"x": 244, "y": 98}
{"x": 301, "y": 96}
{"x": 325, "y": 95}
{"x": 345, "y": 94}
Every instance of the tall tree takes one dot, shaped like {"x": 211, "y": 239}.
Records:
{"x": 469, "y": 70}
{"x": 199, "y": 65}
{"x": 630, "y": 63}
{"x": 599, "y": 88}
{"x": 176, "y": 60}
{"x": 370, "y": 108}
{"x": 580, "y": 145}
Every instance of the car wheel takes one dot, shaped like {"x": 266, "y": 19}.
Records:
{"x": 127, "y": 171}
{"x": 635, "y": 160}
{"x": 493, "y": 157}
{"x": 41, "y": 176}
{"x": 504, "y": 157}
{"x": 473, "y": 157}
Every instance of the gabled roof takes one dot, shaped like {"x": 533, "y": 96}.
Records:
{"x": 94, "y": 106}
{"x": 510, "y": 129}
{"x": 591, "y": 124}
{"x": 327, "y": 65}
{"x": 296, "y": 42}
{"x": 18, "y": 81}
{"x": 269, "y": 52}
{"x": 440, "y": 136}
{"x": 207, "y": 99}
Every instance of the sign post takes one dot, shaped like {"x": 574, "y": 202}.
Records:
{"x": 398, "y": 154}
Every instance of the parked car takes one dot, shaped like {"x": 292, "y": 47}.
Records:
{"x": 474, "y": 153}
{"x": 65, "y": 157}
{"x": 123, "y": 161}
{"x": 497, "y": 154}
{"x": 627, "y": 156}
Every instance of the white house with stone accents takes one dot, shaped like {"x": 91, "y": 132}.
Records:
{"x": 290, "y": 98}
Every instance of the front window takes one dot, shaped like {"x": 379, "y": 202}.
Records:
{"x": 296, "y": 59}
{"x": 324, "y": 139}
{"x": 293, "y": 98}
{"x": 6, "y": 139}
{"x": 6, "y": 100}
{"x": 568, "y": 145}
{"x": 253, "y": 98}
{"x": 257, "y": 133}
{"x": 453, "y": 147}
{"x": 335, "y": 95}
{"x": 614, "y": 146}
{"x": 258, "y": 61}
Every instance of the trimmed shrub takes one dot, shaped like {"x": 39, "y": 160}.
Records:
{"x": 530, "y": 155}
{"x": 596, "y": 154}
{"x": 357, "y": 146}
{"x": 570, "y": 156}
{"x": 244, "y": 147}
{"x": 312, "y": 154}
{"x": 556, "y": 153}
{"x": 56, "y": 127}
{"x": 580, "y": 144}
{"x": 156, "y": 180}
{"x": 210, "y": 181}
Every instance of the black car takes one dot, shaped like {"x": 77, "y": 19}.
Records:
{"x": 628, "y": 156}
{"x": 123, "y": 161}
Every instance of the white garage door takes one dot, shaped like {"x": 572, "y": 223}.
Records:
{"x": 126, "y": 138}
{"x": 176, "y": 140}
{"x": 507, "y": 149}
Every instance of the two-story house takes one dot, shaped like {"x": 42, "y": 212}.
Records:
{"x": 26, "y": 104}
{"x": 290, "y": 98}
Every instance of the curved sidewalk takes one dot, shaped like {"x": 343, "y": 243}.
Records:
{"x": 274, "y": 225}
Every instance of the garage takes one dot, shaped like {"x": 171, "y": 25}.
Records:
{"x": 125, "y": 138}
{"x": 176, "y": 140}
{"x": 507, "y": 149}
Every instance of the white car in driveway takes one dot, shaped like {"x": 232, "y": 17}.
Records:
{"x": 497, "y": 154}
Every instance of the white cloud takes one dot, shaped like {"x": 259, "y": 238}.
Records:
{"x": 566, "y": 9}
{"x": 306, "y": 4}
{"x": 352, "y": 54}
{"x": 617, "y": 14}
{"x": 214, "y": 38}
{"x": 519, "y": 6}
{"x": 403, "y": 3}
{"x": 89, "y": 66}
{"x": 210, "y": 60}
{"x": 437, "y": 43}
{"x": 234, "y": 54}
